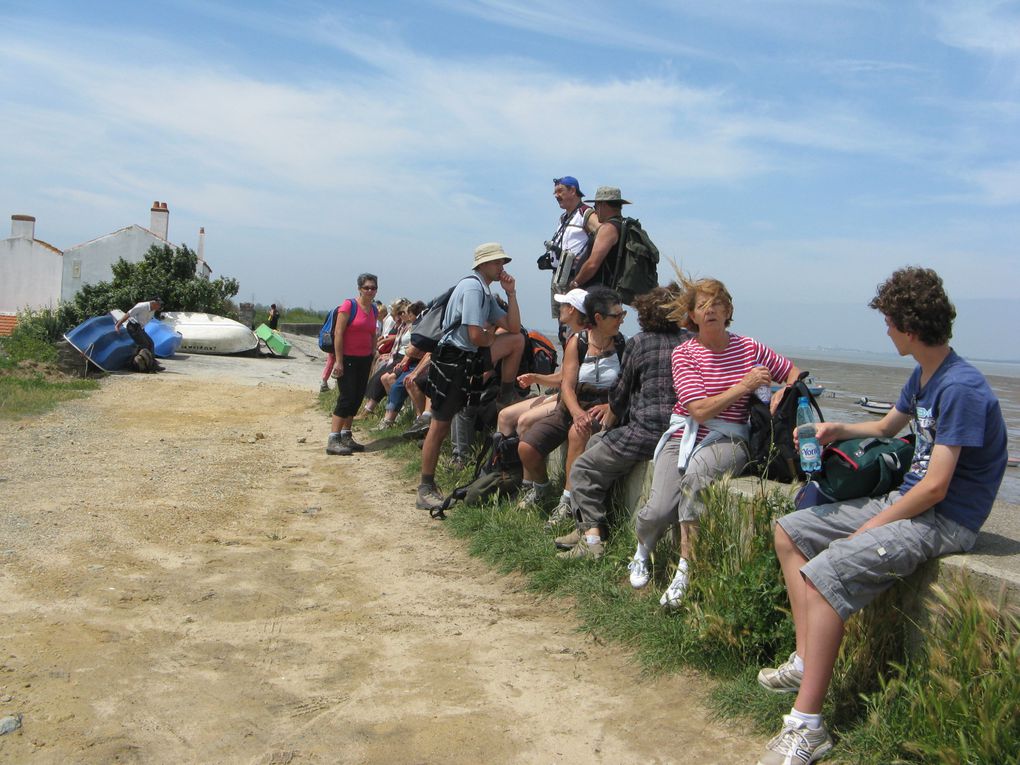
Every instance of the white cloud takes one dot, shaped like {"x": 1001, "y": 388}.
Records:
{"x": 980, "y": 26}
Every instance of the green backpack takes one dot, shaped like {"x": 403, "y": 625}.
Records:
{"x": 865, "y": 467}
{"x": 636, "y": 269}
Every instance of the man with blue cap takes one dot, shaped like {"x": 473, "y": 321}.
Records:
{"x": 569, "y": 245}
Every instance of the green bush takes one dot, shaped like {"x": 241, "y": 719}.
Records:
{"x": 35, "y": 334}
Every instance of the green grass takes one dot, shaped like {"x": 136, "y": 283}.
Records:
{"x": 955, "y": 701}
{"x": 25, "y": 396}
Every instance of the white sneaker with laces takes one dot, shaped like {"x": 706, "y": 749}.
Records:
{"x": 796, "y": 744}
{"x": 640, "y": 572}
{"x": 785, "y": 678}
{"x": 674, "y": 594}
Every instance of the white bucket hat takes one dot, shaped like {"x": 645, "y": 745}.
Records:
{"x": 490, "y": 251}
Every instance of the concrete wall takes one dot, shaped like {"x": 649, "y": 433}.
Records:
{"x": 30, "y": 273}
{"x": 93, "y": 261}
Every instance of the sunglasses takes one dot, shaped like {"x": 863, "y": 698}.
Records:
{"x": 373, "y": 288}
{"x": 617, "y": 315}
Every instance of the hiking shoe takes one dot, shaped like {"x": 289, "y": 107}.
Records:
{"x": 559, "y": 515}
{"x": 323, "y": 387}
{"x": 785, "y": 678}
{"x": 640, "y": 572}
{"x": 568, "y": 541}
{"x": 584, "y": 550}
{"x": 354, "y": 445}
{"x": 385, "y": 425}
{"x": 335, "y": 445}
{"x": 429, "y": 497}
{"x": 533, "y": 495}
{"x": 796, "y": 744}
{"x": 419, "y": 427}
{"x": 674, "y": 594}
{"x": 458, "y": 462}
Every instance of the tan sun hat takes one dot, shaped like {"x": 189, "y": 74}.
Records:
{"x": 608, "y": 194}
{"x": 490, "y": 251}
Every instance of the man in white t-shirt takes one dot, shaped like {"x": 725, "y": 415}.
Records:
{"x": 571, "y": 242}
{"x": 137, "y": 318}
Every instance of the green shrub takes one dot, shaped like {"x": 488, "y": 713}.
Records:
{"x": 35, "y": 334}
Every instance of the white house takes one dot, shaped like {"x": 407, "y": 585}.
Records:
{"x": 30, "y": 269}
{"x": 34, "y": 274}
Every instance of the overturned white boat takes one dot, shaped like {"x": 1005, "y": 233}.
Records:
{"x": 208, "y": 333}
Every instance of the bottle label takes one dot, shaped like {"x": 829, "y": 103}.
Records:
{"x": 810, "y": 451}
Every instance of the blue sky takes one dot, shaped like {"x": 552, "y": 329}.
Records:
{"x": 799, "y": 151}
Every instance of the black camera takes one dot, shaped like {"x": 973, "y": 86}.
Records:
{"x": 545, "y": 262}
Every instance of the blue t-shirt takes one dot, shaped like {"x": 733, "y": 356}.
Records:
{"x": 471, "y": 303}
{"x": 957, "y": 408}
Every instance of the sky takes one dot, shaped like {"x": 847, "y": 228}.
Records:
{"x": 799, "y": 151}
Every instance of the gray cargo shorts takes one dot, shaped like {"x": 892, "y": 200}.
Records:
{"x": 850, "y": 573}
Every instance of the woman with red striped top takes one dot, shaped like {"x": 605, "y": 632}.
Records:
{"x": 714, "y": 374}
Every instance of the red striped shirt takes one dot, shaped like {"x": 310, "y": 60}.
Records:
{"x": 700, "y": 373}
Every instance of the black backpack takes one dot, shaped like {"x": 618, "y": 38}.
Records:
{"x": 427, "y": 329}
{"x": 770, "y": 445}
{"x": 636, "y": 270}
{"x": 498, "y": 472}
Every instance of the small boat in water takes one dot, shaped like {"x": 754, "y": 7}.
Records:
{"x": 99, "y": 342}
{"x": 875, "y": 407}
{"x": 208, "y": 333}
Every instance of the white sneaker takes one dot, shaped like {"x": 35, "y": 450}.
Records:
{"x": 640, "y": 572}
{"x": 796, "y": 744}
{"x": 674, "y": 594}
{"x": 532, "y": 495}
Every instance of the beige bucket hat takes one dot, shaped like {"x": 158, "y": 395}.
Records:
{"x": 490, "y": 251}
{"x": 608, "y": 194}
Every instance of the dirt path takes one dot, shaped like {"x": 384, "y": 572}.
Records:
{"x": 201, "y": 583}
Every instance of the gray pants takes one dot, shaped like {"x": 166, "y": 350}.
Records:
{"x": 675, "y": 493}
{"x": 593, "y": 475}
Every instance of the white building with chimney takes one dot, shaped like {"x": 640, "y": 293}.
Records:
{"x": 35, "y": 274}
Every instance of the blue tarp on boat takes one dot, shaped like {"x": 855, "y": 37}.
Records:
{"x": 101, "y": 344}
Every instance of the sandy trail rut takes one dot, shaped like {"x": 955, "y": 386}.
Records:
{"x": 182, "y": 579}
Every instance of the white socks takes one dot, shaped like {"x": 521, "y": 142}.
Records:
{"x": 814, "y": 722}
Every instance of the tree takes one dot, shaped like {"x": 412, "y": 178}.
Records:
{"x": 167, "y": 272}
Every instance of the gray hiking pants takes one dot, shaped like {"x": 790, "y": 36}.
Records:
{"x": 593, "y": 476}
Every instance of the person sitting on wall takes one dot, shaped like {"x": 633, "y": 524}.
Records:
{"x": 837, "y": 558}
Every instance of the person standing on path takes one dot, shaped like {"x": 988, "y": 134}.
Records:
{"x": 354, "y": 335}
{"x": 470, "y": 324}
{"x": 274, "y": 317}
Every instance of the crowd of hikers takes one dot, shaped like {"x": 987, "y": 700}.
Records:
{"x": 680, "y": 393}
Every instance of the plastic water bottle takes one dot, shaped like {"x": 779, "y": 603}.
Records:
{"x": 764, "y": 393}
{"x": 810, "y": 449}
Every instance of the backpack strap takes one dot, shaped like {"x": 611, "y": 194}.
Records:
{"x": 447, "y": 331}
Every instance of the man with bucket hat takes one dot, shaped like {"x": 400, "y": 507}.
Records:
{"x": 470, "y": 321}
{"x": 572, "y": 240}
{"x": 599, "y": 265}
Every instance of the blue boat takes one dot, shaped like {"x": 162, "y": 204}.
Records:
{"x": 98, "y": 341}
{"x": 165, "y": 340}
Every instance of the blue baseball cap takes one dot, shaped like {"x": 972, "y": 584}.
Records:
{"x": 569, "y": 180}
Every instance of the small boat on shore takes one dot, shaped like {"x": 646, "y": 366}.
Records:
{"x": 1012, "y": 460}
{"x": 875, "y": 407}
{"x": 273, "y": 340}
{"x": 815, "y": 390}
{"x": 208, "y": 333}
{"x": 98, "y": 341}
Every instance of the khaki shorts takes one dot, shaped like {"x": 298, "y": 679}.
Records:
{"x": 850, "y": 573}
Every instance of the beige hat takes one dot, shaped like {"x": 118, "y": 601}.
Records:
{"x": 608, "y": 194}
{"x": 489, "y": 251}
{"x": 573, "y": 298}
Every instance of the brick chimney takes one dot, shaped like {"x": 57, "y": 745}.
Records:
{"x": 160, "y": 221}
{"x": 22, "y": 227}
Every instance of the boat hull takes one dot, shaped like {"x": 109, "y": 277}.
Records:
{"x": 208, "y": 333}
{"x": 273, "y": 340}
{"x": 165, "y": 340}
{"x": 98, "y": 341}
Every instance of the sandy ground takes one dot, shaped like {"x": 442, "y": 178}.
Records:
{"x": 186, "y": 576}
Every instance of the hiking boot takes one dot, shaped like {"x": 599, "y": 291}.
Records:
{"x": 674, "y": 594}
{"x": 568, "y": 541}
{"x": 796, "y": 744}
{"x": 785, "y": 678}
{"x": 640, "y": 572}
{"x": 531, "y": 496}
{"x": 584, "y": 550}
{"x": 348, "y": 439}
{"x": 458, "y": 462}
{"x": 335, "y": 445}
{"x": 429, "y": 497}
{"x": 323, "y": 387}
{"x": 419, "y": 427}
{"x": 559, "y": 515}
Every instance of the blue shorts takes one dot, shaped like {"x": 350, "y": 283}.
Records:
{"x": 850, "y": 573}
